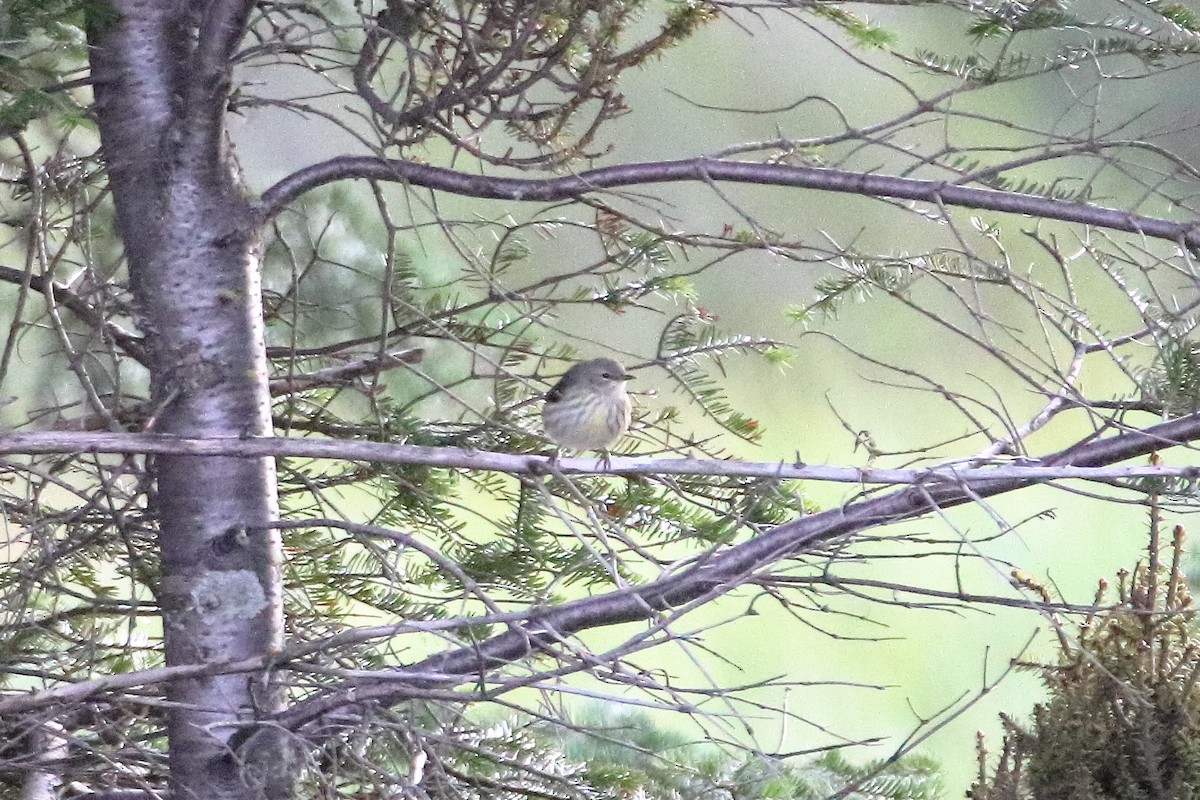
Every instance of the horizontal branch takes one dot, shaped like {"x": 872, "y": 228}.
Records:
{"x": 706, "y": 170}
{"x": 1030, "y": 470}
{"x": 14, "y": 703}
{"x": 716, "y": 574}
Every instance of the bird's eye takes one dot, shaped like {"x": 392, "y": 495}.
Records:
{"x": 607, "y": 375}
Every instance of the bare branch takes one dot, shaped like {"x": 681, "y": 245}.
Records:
{"x": 1093, "y": 462}
{"x": 707, "y": 170}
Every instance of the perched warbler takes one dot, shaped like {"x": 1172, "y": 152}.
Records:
{"x": 588, "y": 409}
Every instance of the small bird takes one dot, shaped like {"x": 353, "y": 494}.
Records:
{"x": 588, "y": 409}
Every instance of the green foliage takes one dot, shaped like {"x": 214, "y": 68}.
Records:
{"x": 1173, "y": 380}
{"x": 1058, "y": 190}
{"x": 41, "y": 41}
{"x": 1007, "y": 17}
{"x": 1143, "y": 37}
{"x": 861, "y": 32}
{"x": 597, "y": 754}
{"x": 689, "y": 341}
{"x": 857, "y": 282}
{"x": 685, "y": 17}
{"x": 24, "y": 107}
{"x": 1123, "y": 718}
{"x": 1179, "y": 14}
{"x": 626, "y": 753}
{"x": 24, "y": 19}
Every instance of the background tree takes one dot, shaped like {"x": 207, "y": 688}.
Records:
{"x": 257, "y": 538}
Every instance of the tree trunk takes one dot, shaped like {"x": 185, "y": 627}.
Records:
{"x": 192, "y": 247}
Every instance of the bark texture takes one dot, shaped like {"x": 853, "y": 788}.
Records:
{"x": 162, "y": 79}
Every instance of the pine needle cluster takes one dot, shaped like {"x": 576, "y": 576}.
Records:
{"x": 1123, "y": 718}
